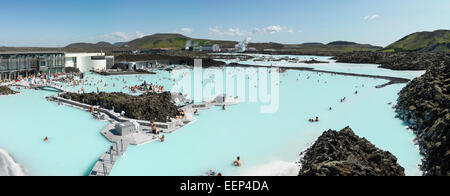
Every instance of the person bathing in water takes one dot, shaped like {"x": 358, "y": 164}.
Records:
{"x": 238, "y": 162}
{"x": 312, "y": 120}
{"x": 213, "y": 173}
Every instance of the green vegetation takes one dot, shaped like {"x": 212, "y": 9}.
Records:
{"x": 331, "y": 48}
{"x": 172, "y": 41}
{"x": 436, "y": 41}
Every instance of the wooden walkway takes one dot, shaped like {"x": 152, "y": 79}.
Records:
{"x": 53, "y": 86}
{"x": 105, "y": 164}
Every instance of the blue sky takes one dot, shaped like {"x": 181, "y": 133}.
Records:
{"x": 60, "y": 22}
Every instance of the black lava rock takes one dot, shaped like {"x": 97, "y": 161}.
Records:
{"x": 148, "y": 106}
{"x": 6, "y": 91}
{"x": 425, "y": 103}
{"x": 345, "y": 154}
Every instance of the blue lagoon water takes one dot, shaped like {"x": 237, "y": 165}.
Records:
{"x": 75, "y": 143}
{"x": 268, "y": 143}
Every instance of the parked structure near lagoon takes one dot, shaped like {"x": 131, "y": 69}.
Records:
{"x": 211, "y": 48}
{"x": 86, "y": 62}
{"x": 13, "y": 65}
{"x": 16, "y": 64}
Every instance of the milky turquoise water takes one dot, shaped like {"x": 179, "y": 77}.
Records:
{"x": 331, "y": 66}
{"x": 269, "y": 144}
{"x": 75, "y": 143}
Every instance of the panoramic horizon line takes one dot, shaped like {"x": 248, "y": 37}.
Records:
{"x": 230, "y": 40}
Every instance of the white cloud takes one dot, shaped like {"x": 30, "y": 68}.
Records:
{"x": 228, "y": 32}
{"x": 239, "y": 32}
{"x": 273, "y": 29}
{"x": 290, "y": 30}
{"x": 185, "y": 30}
{"x": 236, "y": 32}
{"x": 122, "y": 36}
{"x": 371, "y": 17}
{"x": 215, "y": 31}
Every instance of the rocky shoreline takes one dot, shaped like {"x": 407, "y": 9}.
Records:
{"x": 151, "y": 106}
{"x": 424, "y": 104}
{"x": 6, "y": 91}
{"x": 345, "y": 154}
{"x": 394, "y": 60}
{"x": 116, "y": 73}
{"x": 171, "y": 60}
{"x": 388, "y": 60}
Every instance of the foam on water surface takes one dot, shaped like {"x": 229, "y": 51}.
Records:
{"x": 8, "y": 167}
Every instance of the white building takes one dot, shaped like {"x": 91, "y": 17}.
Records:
{"x": 127, "y": 128}
{"x": 213, "y": 48}
{"x": 86, "y": 62}
{"x": 109, "y": 62}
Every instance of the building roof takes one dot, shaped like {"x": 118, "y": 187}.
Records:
{"x": 38, "y": 52}
{"x": 125, "y": 124}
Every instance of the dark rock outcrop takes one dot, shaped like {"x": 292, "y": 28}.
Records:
{"x": 148, "y": 106}
{"x": 345, "y": 154}
{"x": 72, "y": 70}
{"x": 395, "y": 60}
{"x": 6, "y": 91}
{"x": 425, "y": 103}
{"x": 171, "y": 60}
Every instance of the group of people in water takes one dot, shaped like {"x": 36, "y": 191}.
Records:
{"x": 144, "y": 87}
{"x": 236, "y": 163}
{"x": 314, "y": 120}
{"x": 181, "y": 114}
{"x": 156, "y": 131}
{"x": 33, "y": 78}
{"x": 137, "y": 88}
{"x": 330, "y": 109}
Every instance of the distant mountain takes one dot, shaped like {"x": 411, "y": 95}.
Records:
{"x": 178, "y": 41}
{"x": 336, "y": 46}
{"x": 90, "y": 45}
{"x": 436, "y": 41}
{"x": 172, "y": 41}
{"x": 163, "y": 40}
{"x": 119, "y": 44}
{"x": 269, "y": 45}
{"x": 313, "y": 44}
{"x": 341, "y": 43}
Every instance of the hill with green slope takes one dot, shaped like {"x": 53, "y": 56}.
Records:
{"x": 436, "y": 41}
{"x": 172, "y": 41}
{"x": 90, "y": 45}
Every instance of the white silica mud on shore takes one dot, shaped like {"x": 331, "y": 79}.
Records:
{"x": 274, "y": 168}
{"x": 268, "y": 143}
{"x": 8, "y": 167}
